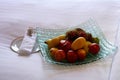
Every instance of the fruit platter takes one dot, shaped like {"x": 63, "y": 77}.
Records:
{"x": 76, "y": 45}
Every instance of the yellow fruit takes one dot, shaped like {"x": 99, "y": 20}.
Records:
{"x": 78, "y": 43}
{"x": 61, "y": 37}
{"x": 54, "y": 41}
{"x": 86, "y": 46}
{"x": 48, "y": 42}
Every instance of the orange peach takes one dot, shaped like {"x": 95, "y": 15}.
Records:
{"x": 53, "y": 51}
{"x": 81, "y": 54}
{"x": 60, "y": 55}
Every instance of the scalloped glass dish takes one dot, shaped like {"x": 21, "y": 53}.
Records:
{"x": 89, "y": 26}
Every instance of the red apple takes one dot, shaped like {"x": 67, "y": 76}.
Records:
{"x": 60, "y": 55}
{"x": 65, "y": 45}
{"x": 61, "y": 43}
{"x": 81, "y": 54}
{"x": 71, "y": 56}
{"x": 94, "y": 48}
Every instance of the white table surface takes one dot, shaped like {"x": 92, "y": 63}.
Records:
{"x": 17, "y": 16}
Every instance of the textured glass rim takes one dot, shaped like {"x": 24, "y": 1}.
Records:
{"x": 94, "y": 27}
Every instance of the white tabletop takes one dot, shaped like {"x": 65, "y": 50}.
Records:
{"x": 17, "y": 16}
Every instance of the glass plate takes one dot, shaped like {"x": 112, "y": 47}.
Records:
{"x": 89, "y": 26}
{"x": 15, "y": 45}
